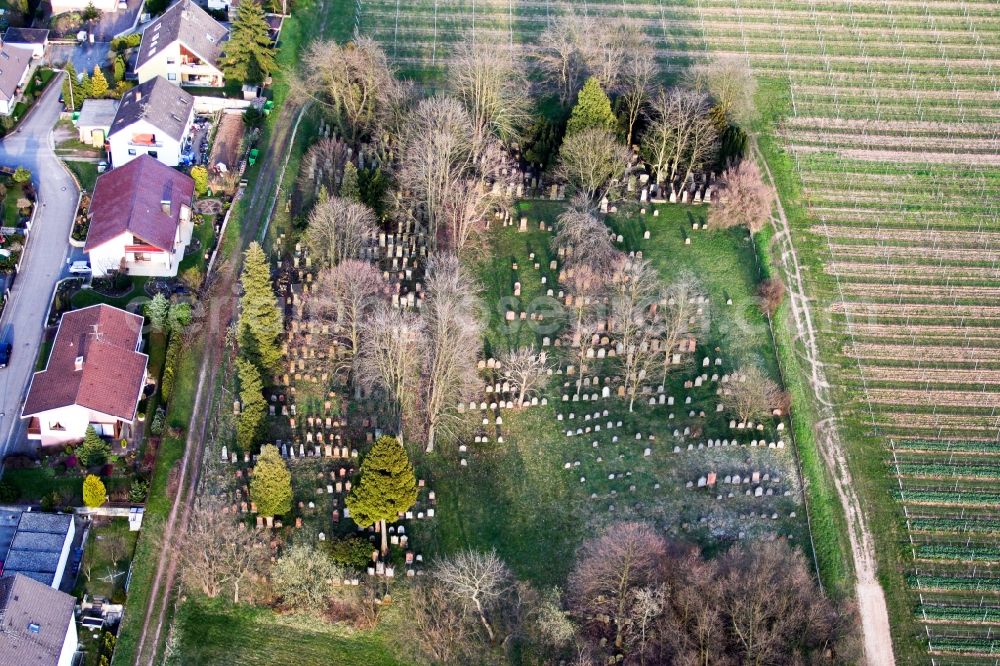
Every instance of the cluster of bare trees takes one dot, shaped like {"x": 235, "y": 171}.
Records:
{"x": 643, "y": 600}
{"x": 633, "y": 598}
{"x": 752, "y": 396}
{"x": 339, "y": 229}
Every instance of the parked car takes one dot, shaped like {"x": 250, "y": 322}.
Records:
{"x": 5, "y": 350}
{"x": 79, "y": 267}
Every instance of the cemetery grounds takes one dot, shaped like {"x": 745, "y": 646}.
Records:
{"x": 879, "y": 123}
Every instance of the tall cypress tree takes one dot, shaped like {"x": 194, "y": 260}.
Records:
{"x": 271, "y": 484}
{"x": 387, "y": 486}
{"x": 253, "y": 408}
{"x": 260, "y": 320}
{"x": 593, "y": 109}
{"x": 249, "y": 55}
{"x": 98, "y": 83}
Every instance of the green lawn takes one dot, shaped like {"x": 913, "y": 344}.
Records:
{"x": 205, "y": 233}
{"x": 213, "y": 632}
{"x": 85, "y": 172}
{"x": 87, "y": 297}
{"x": 15, "y": 191}
{"x": 106, "y": 558}
{"x": 34, "y": 483}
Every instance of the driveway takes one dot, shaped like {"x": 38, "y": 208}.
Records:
{"x": 45, "y": 256}
{"x": 83, "y": 56}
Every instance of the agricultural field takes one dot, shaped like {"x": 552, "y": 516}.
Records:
{"x": 879, "y": 121}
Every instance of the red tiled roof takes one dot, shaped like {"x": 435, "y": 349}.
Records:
{"x": 113, "y": 371}
{"x": 129, "y": 199}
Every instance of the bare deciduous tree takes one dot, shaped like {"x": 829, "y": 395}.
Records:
{"x": 634, "y": 290}
{"x": 479, "y": 579}
{"x": 524, "y": 370}
{"x": 770, "y": 294}
{"x": 729, "y": 81}
{"x": 218, "y": 554}
{"x": 559, "y": 56}
{"x": 342, "y": 298}
{"x": 320, "y": 171}
{"x": 489, "y": 78}
{"x": 751, "y": 394}
{"x": 680, "y": 134}
{"x": 439, "y": 627}
{"x": 679, "y": 316}
{"x": 468, "y": 201}
{"x": 453, "y": 334}
{"x": 351, "y": 80}
{"x": 585, "y": 241}
{"x": 392, "y": 345}
{"x": 339, "y": 229}
{"x": 593, "y": 160}
{"x": 609, "y": 568}
{"x": 636, "y": 83}
{"x": 742, "y": 199}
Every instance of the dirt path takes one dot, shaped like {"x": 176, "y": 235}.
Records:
{"x": 220, "y": 303}
{"x": 872, "y": 608}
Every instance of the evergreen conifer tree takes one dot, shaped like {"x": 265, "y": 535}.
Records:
{"x": 260, "y": 320}
{"x": 271, "y": 484}
{"x": 249, "y": 55}
{"x": 387, "y": 486}
{"x": 98, "y": 83}
{"x": 593, "y": 109}
{"x": 253, "y": 408}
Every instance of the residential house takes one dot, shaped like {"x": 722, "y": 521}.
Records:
{"x": 95, "y": 376}
{"x": 154, "y": 119}
{"x": 37, "y": 624}
{"x": 15, "y": 68}
{"x": 39, "y": 547}
{"x": 36, "y": 39}
{"x": 94, "y": 123}
{"x": 184, "y": 45}
{"x": 140, "y": 219}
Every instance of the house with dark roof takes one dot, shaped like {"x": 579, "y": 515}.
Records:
{"x": 184, "y": 45}
{"x": 140, "y": 219}
{"x": 15, "y": 68}
{"x": 95, "y": 376}
{"x": 39, "y": 547}
{"x": 37, "y": 624}
{"x": 36, "y": 39}
{"x": 154, "y": 119}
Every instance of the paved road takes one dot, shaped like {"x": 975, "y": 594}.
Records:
{"x": 45, "y": 262}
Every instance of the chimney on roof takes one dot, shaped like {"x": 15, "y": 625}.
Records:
{"x": 78, "y": 364}
{"x": 165, "y": 205}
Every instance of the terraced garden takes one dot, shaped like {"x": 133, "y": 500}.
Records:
{"x": 881, "y": 123}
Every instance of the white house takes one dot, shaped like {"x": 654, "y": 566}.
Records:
{"x": 37, "y": 623}
{"x": 140, "y": 219}
{"x": 184, "y": 46}
{"x": 15, "y": 67}
{"x": 36, "y": 39}
{"x": 154, "y": 119}
{"x": 94, "y": 376}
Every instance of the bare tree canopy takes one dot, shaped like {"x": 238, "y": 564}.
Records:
{"x": 392, "y": 346}
{"x": 525, "y": 371}
{"x": 645, "y": 601}
{"x": 584, "y": 240}
{"x": 729, "y": 81}
{"x": 489, "y": 78}
{"x": 751, "y": 394}
{"x": 593, "y": 161}
{"x": 680, "y": 316}
{"x": 453, "y": 329}
{"x": 560, "y": 57}
{"x": 218, "y": 554}
{"x": 635, "y": 87}
{"x": 680, "y": 137}
{"x": 320, "y": 171}
{"x": 634, "y": 293}
{"x": 338, "y": 230}
{"x": 478, "y": 579}
{"x": 447, "y": 169}
{"x": 742, "y": 199}
{"x": 353, "y": 81}
{"x": 341, "y": 300}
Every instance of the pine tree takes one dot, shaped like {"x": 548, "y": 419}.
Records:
{"x": 119, "y": 70}
{"x": 271, "y": 484}
{"x": 98, "y": 84}
{"x": 593, "y": 109}
{"x": 157, "y": 310}
{"x": 93, "y": 450}
{"x": 349, "y": 187}
{"x": 249, "y": 55}
{"x": 260, "y": 319}
{"x": 83, "y": 91}
{"x": 387, "y": 487}
{"x": 253, "y": 407}
{"x": 94, "y": 492}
